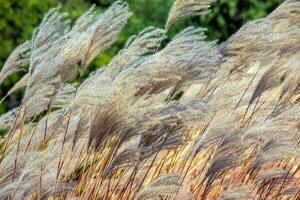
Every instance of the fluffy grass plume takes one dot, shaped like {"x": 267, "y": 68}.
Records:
{"x": 190, "y": 120}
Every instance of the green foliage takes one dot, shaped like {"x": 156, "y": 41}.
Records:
{"x": 18, "y": 18}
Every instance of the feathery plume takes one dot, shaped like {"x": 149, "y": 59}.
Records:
{"x": 17, "y": 59}
{"x": 183, "y": 8}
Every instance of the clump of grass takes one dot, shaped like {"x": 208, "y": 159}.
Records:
{"x": 190, "y": 120}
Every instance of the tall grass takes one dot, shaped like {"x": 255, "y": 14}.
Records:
{"x": 188, "y": 120}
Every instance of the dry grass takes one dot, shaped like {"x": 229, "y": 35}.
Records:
{"x": 123, "y": 133}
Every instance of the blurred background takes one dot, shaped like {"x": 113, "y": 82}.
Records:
{"x": 18, "y": 18}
